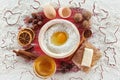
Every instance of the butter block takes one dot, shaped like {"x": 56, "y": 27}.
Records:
{"x": 87, "y": 57}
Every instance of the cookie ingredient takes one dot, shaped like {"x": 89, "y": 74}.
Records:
{"x": 87, "y": 57}
{"x": 64, "y": 12}
{"x": 25, "y": 54}
{"x": 25, "y": 36}
{"x": 78, "y": 17}
{"x": 87, "y": 33}
{"x": 86, "y": 14}
{"x": 49, "y": 11}
{"x": 86, "y": 24}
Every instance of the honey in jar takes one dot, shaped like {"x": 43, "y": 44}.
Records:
{"x": 44, "y": 66}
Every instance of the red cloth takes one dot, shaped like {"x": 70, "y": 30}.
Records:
{"x": 37, "y": 48}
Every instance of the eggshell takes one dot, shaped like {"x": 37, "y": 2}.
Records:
{"x": 64, "y": 12}
{"x": 49, "y": 11}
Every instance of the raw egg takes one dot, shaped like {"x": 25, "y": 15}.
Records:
{"x": 59, "y": 38}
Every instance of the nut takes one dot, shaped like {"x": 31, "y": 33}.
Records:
{"x": 30, "y": 20}
{"x": 35, "y": 21}
{"x": 40, "y": 18}
{"x": 86, "y": 24}
{"x": 34, "y": 15}
{"x": 39, "y": 23}
{"x": 87, "y": 33}
{"x": 78, "y": 17}
{"x": 86, "y": 14}
{"x": 35, "y": 26}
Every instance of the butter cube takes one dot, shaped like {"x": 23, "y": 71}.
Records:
{"x": 87, "y": 57}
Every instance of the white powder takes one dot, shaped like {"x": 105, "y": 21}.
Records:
{"x": 68, "y": 45}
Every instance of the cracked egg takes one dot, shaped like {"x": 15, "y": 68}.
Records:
{"x": 59, "y": 38}
{"x": 64, "y": 12}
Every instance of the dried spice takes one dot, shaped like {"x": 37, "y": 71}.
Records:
{"x": 86, "y": 14}
{"x": 25, "y": 54}
{"x": 35, "y": 26}
{"x": 25, "y": 36}
{"x": 86, "y": 24}
{"x": 87, "y": 33}
{"x": 30, "y": 20}
{"x": 28, "y": 48}
{"x": 35, "y": 21}
{"x": 39, "y": 23}
{"x": 34, "y": 15}
{"x": 40, "y": 17}
{"x": 78, "y": 17}
{"x": 65, "y": 66}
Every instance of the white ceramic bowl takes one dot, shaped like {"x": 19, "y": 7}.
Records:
{"x": 46, "y": 27}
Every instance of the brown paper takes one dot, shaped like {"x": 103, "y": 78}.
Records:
{"x": 77, "y": 58}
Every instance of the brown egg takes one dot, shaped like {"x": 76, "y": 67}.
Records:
{"x": 49, "y": 11}
{"x": 64, "y": 12}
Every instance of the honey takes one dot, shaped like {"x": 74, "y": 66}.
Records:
{"x": 44, "y": 66}
{"x": 59, "y": 38}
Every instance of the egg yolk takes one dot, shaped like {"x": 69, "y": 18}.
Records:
{"x": 59, "y": 38}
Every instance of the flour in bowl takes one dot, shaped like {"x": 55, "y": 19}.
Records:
{"x": 66, "y": 34}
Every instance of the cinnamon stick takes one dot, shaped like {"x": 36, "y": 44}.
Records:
{"x": 29, "y": 48}
{"x": 25, "y": 54}
{"x": 18, "y": 54}
{"x": 29, "y": 54}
